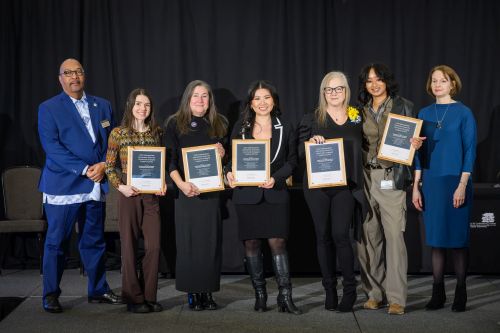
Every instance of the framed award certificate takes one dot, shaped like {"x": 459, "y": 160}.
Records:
{"x": 395, "y": 145}
{"x": 251, "y": 164}
{"x": 203, "y": 167}
{"x": 325, "y": 164}
{"x": 146, "y": 168}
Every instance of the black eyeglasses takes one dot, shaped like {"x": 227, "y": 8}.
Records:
{"x": 329, "y": 90}
{"x": 69, "y": 73}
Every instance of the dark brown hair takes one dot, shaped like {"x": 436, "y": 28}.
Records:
{"x": 128, "y": 116}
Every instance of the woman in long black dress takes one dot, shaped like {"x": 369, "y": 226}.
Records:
{"x": 198, "y": 229}
{"x": 263, "y": 211}
{"x": 333, "y": 208}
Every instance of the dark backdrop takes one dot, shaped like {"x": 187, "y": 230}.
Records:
{"x": 162, "y": 45}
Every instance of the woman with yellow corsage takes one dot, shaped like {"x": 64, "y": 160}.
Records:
{"x": 334, "y": 208}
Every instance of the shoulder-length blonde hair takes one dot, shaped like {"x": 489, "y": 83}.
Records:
{"x": 218, "y": 125}
{"x": 320, "y": 112}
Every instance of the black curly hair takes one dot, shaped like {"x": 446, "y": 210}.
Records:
{"x": 384, "y": 73}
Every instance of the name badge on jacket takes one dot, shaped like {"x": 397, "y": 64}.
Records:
{"x": 105, "y": 123}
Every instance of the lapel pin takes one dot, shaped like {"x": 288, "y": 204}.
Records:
{"x": 95, "y": 105}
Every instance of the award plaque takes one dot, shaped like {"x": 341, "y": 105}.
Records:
{"x": 251, "y": 165}
{"x": 325, "y": 163}
{"x": 146, "y": 168}
{"x": 203, "y": 167}
{"x": 395, "y": 145}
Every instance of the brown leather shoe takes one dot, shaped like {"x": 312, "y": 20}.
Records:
{"x": 372, "y": 304}
{"x": 396, "y": 309}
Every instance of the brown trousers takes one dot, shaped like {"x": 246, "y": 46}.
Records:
{"x": 136, "y": 215}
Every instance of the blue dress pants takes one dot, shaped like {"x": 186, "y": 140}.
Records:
{"x": 61, "y": 221}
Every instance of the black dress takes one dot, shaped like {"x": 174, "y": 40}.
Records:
{"x": 264, "y": 213}
{"x": 198, "y": 228}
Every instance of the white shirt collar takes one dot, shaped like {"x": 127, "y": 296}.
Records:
{"x": 83, "y": 99}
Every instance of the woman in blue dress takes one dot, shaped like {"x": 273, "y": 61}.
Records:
{"x": 444, "y": 165}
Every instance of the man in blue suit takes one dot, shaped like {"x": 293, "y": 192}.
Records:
{"x": 74, "y": 129}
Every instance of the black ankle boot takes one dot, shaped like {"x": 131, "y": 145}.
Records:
{"x": 255, "y": 267}
{"x": 438, "y": 297}
{"x": 195, "y": 301}
{"x": 349, "y": 297}
{"x": 208, "y": 302}
{"x": 282, "y": 272}
{"x": 331, "y": 299}
{"x": 460, "y": 299}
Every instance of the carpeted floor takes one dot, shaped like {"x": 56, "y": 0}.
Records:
{"x": 236, "y": 313}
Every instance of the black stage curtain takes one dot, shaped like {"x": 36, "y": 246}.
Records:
{"x": 162, "y": 45}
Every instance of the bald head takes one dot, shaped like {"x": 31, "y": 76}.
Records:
{"x": 70, "y": 62}
{"x": 72, "y": 77}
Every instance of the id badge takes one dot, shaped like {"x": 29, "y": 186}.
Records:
{"x": 386, "y": 184}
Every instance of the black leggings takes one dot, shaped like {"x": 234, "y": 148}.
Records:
{"x": 332, "y": 212}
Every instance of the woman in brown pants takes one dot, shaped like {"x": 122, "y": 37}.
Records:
{"x": 138, "y": 213}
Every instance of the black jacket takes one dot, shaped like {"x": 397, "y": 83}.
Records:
{"x": 283, "y": 162}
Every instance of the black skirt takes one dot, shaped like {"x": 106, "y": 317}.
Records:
{"x": 263, "y": 220}
{"x": 198, "y": 235}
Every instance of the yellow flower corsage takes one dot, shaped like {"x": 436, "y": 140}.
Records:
{"x": 353, "y": 114}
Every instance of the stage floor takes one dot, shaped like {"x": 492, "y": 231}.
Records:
{"x": 236, "y": 309}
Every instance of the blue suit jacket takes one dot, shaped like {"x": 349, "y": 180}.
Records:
{"x": 68, "y": 145}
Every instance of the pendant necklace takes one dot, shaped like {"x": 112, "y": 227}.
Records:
{"x": 440, "y": 122}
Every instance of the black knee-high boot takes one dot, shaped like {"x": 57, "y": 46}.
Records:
{"x": 282, "y": 272}
{"x": 255, "y": 267}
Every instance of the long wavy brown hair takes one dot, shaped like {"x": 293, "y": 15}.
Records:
{"x": 183, "y": 116}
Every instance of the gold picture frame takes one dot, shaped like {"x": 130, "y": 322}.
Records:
{"x": 249, "y": 167}
{"x": 395, "y": 144}
{"x": 203, "y": 167}
{"x": 146, "y": 168}
{"x": 325, "y": 164}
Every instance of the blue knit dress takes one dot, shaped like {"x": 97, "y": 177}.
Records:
{"x": 449, "y": 150}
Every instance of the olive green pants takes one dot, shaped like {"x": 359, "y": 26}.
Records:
{"x": 382, "y": 250}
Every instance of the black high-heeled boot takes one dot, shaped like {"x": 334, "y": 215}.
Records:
{"x": 208, "y": 302}
{"x": 282, "y": 272}
{"x": 331, "y": 297}
{"x": 255, "y": 267}
{"x": 349, "y": 295}
{"x": 438, "y": 297}
{"x": 460, "y": 299}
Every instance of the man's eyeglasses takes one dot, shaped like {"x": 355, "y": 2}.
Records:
{"x": 69, "y": 73}
{"x": 329, "y": 90}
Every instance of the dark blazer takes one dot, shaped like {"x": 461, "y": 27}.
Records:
{"x": 283, "y": 162}
{"x": 68, "y": 145}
